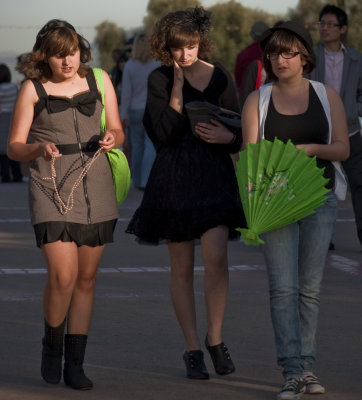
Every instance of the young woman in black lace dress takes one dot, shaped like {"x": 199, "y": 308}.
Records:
{"x": 192, "y": 189}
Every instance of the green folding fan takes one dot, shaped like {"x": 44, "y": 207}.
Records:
{"x": 278, "y": 184}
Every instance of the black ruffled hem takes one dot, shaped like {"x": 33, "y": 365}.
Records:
{"x": 82, "y": 234}
{"x": 156, "y": 227}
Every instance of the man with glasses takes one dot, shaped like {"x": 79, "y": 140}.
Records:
{"x": 340, "y": 67}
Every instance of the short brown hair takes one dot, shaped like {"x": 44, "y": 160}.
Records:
{"x": 60, "y": 40}
{"x": 283, "y": 41}
{"x": 179, "y": 29}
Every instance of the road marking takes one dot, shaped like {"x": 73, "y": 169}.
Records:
{"x": 344, "y": 264}
{"x": 340, "y": 263}
{"x": 107, "y": 270}
{"x": 13, "y": 220}
{"x": 13, "y": 208}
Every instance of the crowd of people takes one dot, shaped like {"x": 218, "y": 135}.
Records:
{"x": 287, "y": 90}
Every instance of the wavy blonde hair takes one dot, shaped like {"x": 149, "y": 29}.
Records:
{"x": 141, "y": 49}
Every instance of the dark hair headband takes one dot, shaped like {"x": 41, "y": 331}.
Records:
{"x": 202, "y": 19}
{"x": 192, "y": 18}
{"x": 50, "y": 26}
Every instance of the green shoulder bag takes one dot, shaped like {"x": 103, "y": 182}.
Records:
{"x": 117, "y": 160}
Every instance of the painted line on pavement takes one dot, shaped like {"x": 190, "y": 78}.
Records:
{"x": 105, "y": 270}
{"x": 344, "y": 264}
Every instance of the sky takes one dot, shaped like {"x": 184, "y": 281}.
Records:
{"x": 20, "y": 20}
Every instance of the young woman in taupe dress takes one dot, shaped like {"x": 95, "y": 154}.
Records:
{"x": 57, "y": 120}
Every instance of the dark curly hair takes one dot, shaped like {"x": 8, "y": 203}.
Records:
{"x": 56, "y": 38}
{"x": 179, "y": 29}
{"x": 5, "y": 74}
{"x": 283, "y": 41}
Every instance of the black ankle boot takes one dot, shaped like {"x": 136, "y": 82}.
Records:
{"x": 195, "y": 365}
{"x": 221, "y": 358}
{"x": 51, "y": 360}
{"x": 73, "y": 373}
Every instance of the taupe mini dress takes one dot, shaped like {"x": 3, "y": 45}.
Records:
{"x": 73, "y": 124}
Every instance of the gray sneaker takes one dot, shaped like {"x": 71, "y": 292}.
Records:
{"x": 292, "y": 390}
{"x": 312, "y": 384}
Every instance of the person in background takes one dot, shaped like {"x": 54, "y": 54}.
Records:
{"x": 192, "y": 191}
{"x": 133, "y": 103}
{"x": 121, "y": 63}
{"x": 10, "y": 170}
{"x": 56, "y": 122}
{"x": 128, "y": 47}
{"x": 116, "y": 73}
{"x": 340, "y": 67}
{"x": 312, "y": 116}
{"x": 118, "y": 82}
{"x": 249, "y": 54}
{"x": 255, "y": 76}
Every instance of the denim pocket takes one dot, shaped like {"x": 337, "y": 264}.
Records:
{"x": 331, "y": 200}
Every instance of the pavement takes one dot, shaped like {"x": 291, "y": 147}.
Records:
{"x": 135, "y": 345}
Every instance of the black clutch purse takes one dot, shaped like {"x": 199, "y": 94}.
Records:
{"x": 203, "y": 111}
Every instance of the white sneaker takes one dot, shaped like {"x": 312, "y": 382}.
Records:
{"x": 312, "y": 384}
{"x": 292, "y": 390}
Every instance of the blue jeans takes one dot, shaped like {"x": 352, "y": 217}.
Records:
{"x": 353, "y": 169}
{"x": 142, "y": 150}
{"x": 295, "y": 256}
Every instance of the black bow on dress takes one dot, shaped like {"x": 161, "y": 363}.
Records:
{"x": 84, "y": 103}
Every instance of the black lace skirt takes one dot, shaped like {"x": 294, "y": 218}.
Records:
{"x": 82, "y": 234}
{"x": 191, "y": 189}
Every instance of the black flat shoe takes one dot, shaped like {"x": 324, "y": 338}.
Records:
{"x": 195, "y": 365}
{"x": 221, "y": 358}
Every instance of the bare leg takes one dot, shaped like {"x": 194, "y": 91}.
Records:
{"x": 62, "y": 264}
{"x": 182, "y": 290}
{"x": 81, "y": 306}
{"x": 214, "y": 253}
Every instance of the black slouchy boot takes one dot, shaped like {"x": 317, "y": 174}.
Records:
{"x": 51, "y": 360}
{"x": 73, "y": 373}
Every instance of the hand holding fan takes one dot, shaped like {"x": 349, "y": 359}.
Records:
{"x": 278, "y": 184}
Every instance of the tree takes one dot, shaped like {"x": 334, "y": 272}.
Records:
{"x": 354, "y": 11}
{"x": 231, "y": 26}
{"x": 306, "y": 13}
{"x": 109, "y": 37}
{"x": 229, "y": 33}
{"x": 341, "y": 4}
{"x": 156, "y": 9}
